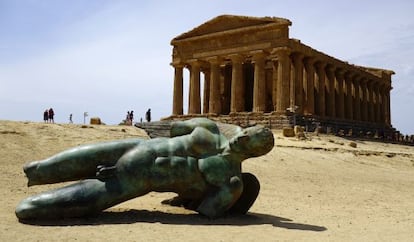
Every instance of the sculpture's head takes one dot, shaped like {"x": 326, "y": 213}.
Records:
{"x": 253, "y": 141}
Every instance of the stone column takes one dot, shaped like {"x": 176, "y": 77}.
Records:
{"x": 298, "y": 79}
{"x": 259, "y": 86}
{"x": 382, "y": 106}
{"x": 387, "y": 106}
{"x": 341, "y": 98}
{"x": 215, "y": 102}
{"x": 275, "y": 94}
{"x": 194, "y": 103}
{"x": 178, "y": 90}
{"x": 206, "y": 96}
{"x": 357, "y": 100}
{"x": 330, "y": 74}
{"x": 321, "y": 74}
{"x": 377, "y": 104}
{"x": 349, "y": 97}
{"x": 283, "y": 79}
{"x": 225, "y": 88}
{"x": 370, "y": 101}
{"x": 237, "y": 84}
{"x": 364, "y": 104}
{"x": 310, "y": 86}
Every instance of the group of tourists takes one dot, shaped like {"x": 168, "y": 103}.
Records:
{"x": 129, "y": 117}
{"x": 48, "y": 116}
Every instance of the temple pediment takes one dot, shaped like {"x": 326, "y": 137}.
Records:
{"x": 230, "y": 22}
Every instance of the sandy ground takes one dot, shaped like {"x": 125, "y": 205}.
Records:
{"x": 316, "y": 190}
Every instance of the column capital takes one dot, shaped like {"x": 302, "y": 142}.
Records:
{"x": 177, "y": 64}
{"x": 371, "y": 83}
{"x": 363, "y": 80}
{"x": 374, "y": 82}
{"x": 309, "y": 60}
{"x": 258, "y": 55}
{"x": 387, "y": 88}
{"x": 383, "y": 86}
{"x": 357, "y": 78}
{"x": 236, "y": 58}
{"x": 280, "y": 51}
{"x": 349, "y": 74}
{"x": 340, "y": 72}
{"x": 330, "y": 67}
{"x": 320, "y": 65}
{"x": 214, "y": 59}
{"x": 194, "y": 63}
{"x": 297, "y": 57}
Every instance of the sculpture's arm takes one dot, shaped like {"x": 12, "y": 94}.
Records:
{"x": 218, "y": 202}
{"x": 224, "y": 176}
{"x": 180, "y": 128}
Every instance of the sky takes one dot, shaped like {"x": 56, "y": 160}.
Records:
{"x": 108, "y": 57}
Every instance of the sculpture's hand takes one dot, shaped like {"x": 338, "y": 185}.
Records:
{"x": 104, "y": 172}
{"x": 217, "y": 203}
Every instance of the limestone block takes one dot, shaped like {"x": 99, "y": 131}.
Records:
{"x": 288, "y": 132}
{"x": 95, "y": 120}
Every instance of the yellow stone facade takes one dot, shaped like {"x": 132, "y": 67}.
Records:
{"x": 250, "y": 65}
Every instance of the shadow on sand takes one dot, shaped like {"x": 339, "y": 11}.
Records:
{"x": 144, "y": 216}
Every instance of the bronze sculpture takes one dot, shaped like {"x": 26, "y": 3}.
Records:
{"x": 198, "y": 163}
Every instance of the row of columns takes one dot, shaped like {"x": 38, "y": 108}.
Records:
{"x": 315, "y": 87}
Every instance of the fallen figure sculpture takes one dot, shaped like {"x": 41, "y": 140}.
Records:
{"x": 197, "y": 162}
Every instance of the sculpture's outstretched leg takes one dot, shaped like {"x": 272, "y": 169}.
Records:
{"x": 251, "y": 188}
{"x": 80, "y": 199}
{"x": 77, "y": 163}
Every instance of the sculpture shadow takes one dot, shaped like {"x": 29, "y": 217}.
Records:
{"x": 145, "y": 216}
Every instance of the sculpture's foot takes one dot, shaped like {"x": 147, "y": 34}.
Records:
{"x": 251, "y": 188}
{"x": 30, "y": 171}
{"x": 80, "y": 199}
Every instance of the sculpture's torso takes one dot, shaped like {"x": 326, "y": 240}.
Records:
{"x": 171, "y": 164}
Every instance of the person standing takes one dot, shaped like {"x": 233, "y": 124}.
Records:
{"x": 70, "y": 119}
{"x": 51, "y": 115}
{"x": 148, "y": 115}
{"x": 127, "y": 118}
{"x": 46, "y": 116}
{"x": 131, "y": 117}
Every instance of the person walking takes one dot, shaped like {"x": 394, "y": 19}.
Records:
{"x": 148, "y": 115}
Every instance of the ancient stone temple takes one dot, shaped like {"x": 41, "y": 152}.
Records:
{"x": 247, "y": 69}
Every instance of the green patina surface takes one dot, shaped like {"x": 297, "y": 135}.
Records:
{"x": 198, "y": 163}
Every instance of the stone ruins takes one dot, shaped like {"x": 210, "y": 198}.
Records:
{"x": 252, "y": 72}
